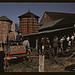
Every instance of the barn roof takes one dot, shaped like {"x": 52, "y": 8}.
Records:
{"x": 4, "y": 18}
{"x": 58, "y": 15}
{"x": 60, "y": 23}
{"x": 49, "y": 31}
{"x": 49, "y": 24}
{"x": 28, "y": 14}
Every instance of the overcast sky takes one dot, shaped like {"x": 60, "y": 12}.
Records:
{"x": 13, "y": 10}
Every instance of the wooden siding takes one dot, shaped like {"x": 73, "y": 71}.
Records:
{"x": 45, "y": 19}
{"x": 28, "y": 25}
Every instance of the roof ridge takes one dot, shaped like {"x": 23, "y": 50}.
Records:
{"x": 59, "y": 12}
{"x": 30, "y": 13}
{"x": 4, "y": 18}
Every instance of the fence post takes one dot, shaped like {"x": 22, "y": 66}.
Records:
{"x": 41, "y": 63}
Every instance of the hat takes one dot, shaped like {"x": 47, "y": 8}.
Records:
{"x": 47, "y": 38}
{"x": 42, "y": 38}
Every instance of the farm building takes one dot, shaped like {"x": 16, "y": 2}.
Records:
{"x": 6, "y": 25}
{"x": 28, "y": 23}
{"x": 51, "y": 16}
{"x": 60, "y": 26}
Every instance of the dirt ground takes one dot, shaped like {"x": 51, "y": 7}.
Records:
{"x": 25, "y": 66}
{"x": 21, "y": 65}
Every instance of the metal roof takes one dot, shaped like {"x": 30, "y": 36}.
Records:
{"x": 49, "y": 31}
{"x": 49, "y": 24}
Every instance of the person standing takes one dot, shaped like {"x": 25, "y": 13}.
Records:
{"x": 61, "y": 42}
{"x": 43, "y": 40}
{"x": 72, "y": 37}
{"x": 65, "y": 44}
{"x": 55, "y": 45}
{"x": 26, "y": 45}
{"x": 47, "y": 48}
{"x": 68, "y": 39}
{"x": 19, "y": 38}
{"x": 70, "y": 42}
{"x": 37, "y": 43}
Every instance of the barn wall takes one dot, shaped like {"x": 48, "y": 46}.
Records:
{"x": 45, "y": 19}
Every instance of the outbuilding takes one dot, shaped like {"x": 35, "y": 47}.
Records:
{"x": 60, "y": 27}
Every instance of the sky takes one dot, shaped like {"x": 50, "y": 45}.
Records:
{"x": 14, "y": 9}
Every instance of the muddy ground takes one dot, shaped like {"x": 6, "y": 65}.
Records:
{"x": 21, "y": 65}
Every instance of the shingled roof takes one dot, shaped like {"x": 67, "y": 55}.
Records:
{"x": 58, "y": 15}
{"x": 49, "y": 24}
{"x": 60, "y": 23}
{"x": 4, "y": 18}
{"x": 28, "y": 14}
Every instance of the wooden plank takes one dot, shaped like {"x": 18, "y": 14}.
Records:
{"x": 27, "y": 55}
{"x": 72, "y": 55}
{"x": 9, "y": 58}
{"x": 41, "y": 63}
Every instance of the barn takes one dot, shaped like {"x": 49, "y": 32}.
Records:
{"x": 57, "y": 27}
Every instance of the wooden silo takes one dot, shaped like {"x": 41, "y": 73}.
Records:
{"x": 5, "y": 26}
{"x": 28, "y": 23}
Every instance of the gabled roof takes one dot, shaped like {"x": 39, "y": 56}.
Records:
{"x": 60, "y": 23}
{"x": 28, "y": 14}
{"x": 4, "y": 18}
{"x": 49, "y": 24}
{"x": 58, "y": 15}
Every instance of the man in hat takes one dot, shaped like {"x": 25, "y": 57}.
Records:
{"x": 19, "y": 38}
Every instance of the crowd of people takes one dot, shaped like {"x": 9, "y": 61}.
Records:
{"x": 43, "y": 43}
{"x": 62, "y": 43}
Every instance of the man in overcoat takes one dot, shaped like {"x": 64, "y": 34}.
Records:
{"x": 55, "y": 45}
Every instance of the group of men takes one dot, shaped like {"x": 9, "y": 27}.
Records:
{"x": 61, "y": 43}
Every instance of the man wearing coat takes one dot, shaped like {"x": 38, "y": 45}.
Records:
{"x": 55, "y": 45}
